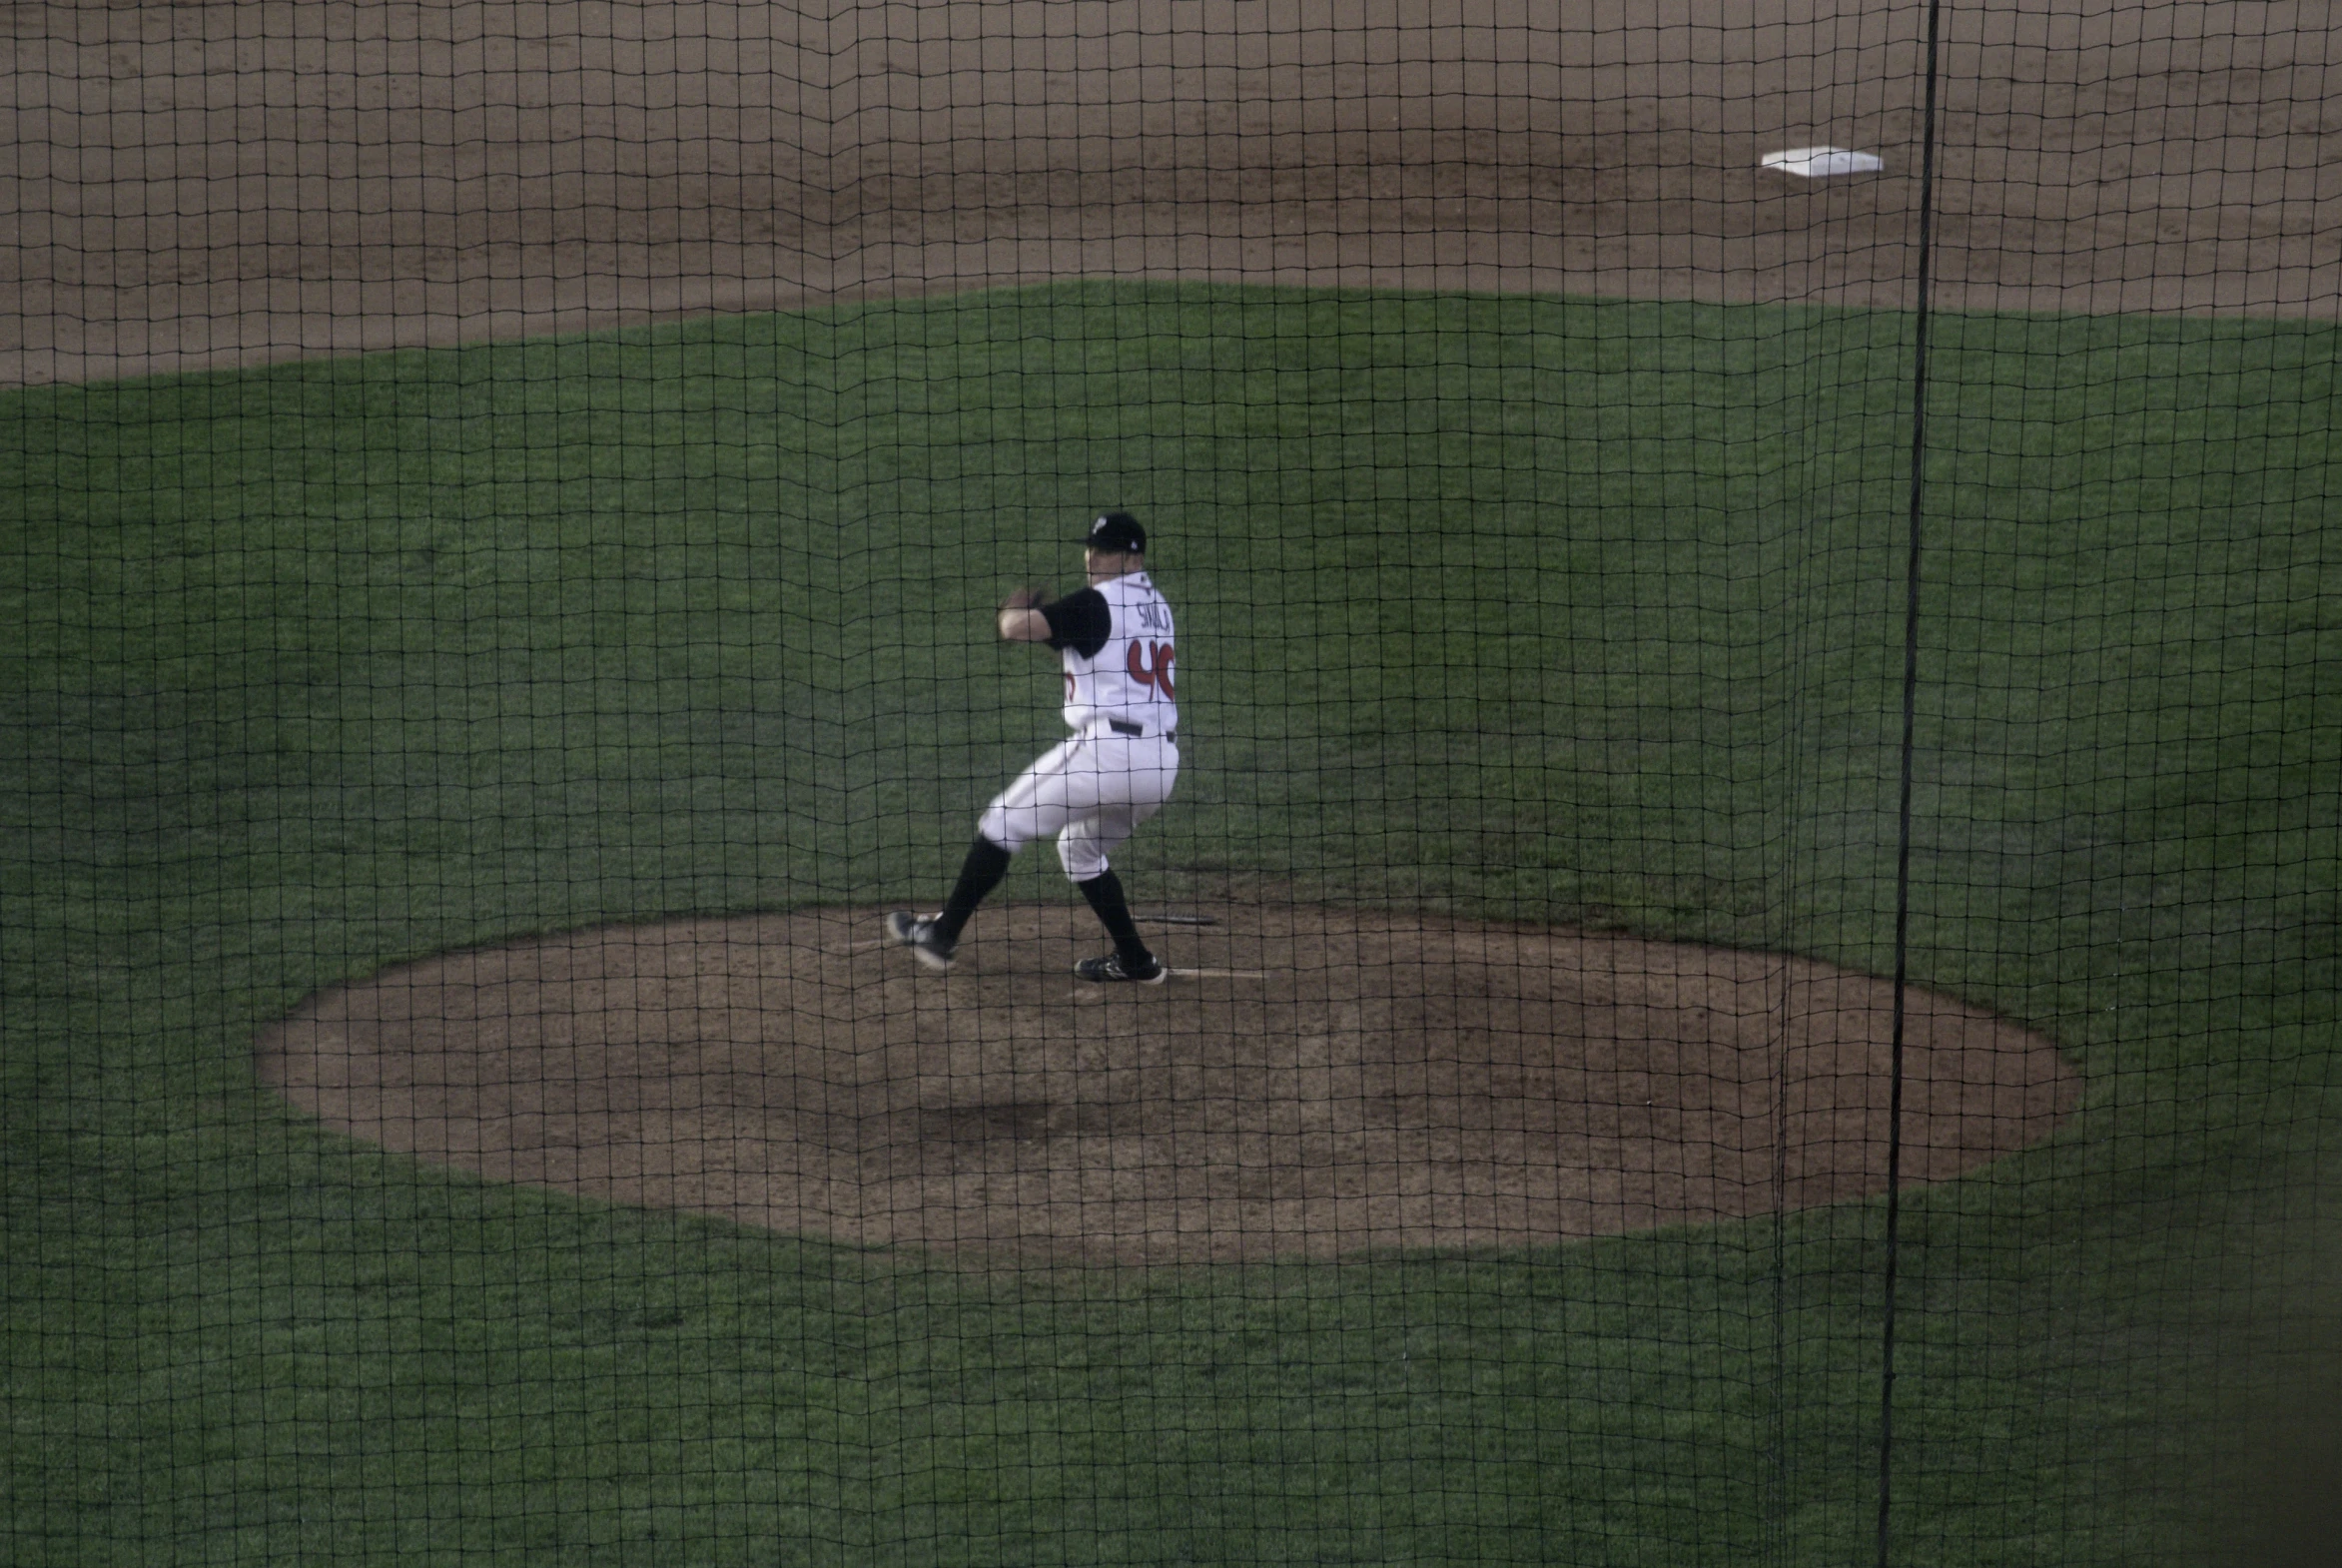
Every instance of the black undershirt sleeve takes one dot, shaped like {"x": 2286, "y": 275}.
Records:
{"x": 1081, "y": 622}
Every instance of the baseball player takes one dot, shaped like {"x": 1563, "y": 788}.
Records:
{"x": 1114, "y": 641}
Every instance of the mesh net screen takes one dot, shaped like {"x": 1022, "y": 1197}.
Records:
{"x": 1169, "y": 781}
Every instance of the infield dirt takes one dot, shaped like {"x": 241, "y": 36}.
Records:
{"x": 197, "y": 184}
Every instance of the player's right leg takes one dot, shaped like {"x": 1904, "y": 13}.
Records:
{"x": 1134, "y": 779}
{"x": 1132, "y": 959}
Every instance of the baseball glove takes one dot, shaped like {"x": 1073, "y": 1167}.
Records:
{"x": 1026, "y": 599}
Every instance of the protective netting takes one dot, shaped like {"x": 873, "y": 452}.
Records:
{"x": 1727, "y": 728}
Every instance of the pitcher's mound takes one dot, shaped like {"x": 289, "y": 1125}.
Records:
{"x": 1311, "y": 1082}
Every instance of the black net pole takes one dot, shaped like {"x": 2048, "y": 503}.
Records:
{"x": 1911, "y": 688}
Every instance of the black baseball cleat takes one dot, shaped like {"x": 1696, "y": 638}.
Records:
{"x": 917, "y": 932}
{"x": 1112, "y": 968}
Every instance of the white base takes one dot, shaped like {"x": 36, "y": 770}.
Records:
{"x": 1814, "y": 163}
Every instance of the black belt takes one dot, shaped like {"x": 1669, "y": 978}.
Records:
{"x": 1126, "y": 727}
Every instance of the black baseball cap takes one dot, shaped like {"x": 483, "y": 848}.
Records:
{"x": 1116, "y": 530}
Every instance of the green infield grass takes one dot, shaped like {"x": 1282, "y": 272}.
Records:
{"x": 1579, "y": 613}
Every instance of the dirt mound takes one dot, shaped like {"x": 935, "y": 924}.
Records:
{"x": 1312, "y": 1081}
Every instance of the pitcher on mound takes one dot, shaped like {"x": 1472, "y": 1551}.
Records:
{"x": 1114, "y": 641}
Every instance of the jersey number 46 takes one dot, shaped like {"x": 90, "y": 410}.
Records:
{"x": 1152, "y": 666}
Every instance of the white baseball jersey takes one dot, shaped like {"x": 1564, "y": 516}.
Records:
{"x": 1121, "y": 699}
{"x": 1129, "y": 675}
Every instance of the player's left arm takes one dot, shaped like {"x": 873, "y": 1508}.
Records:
{"x": 1080, "y": 621}
{"x": 1020, "y": 618}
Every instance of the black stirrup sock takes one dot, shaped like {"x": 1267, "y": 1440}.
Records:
{"x": 980, "y": 873}
{"x": 1105, "y": 893}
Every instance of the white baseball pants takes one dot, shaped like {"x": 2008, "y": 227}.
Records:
{"x": 1092, "y": 792}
